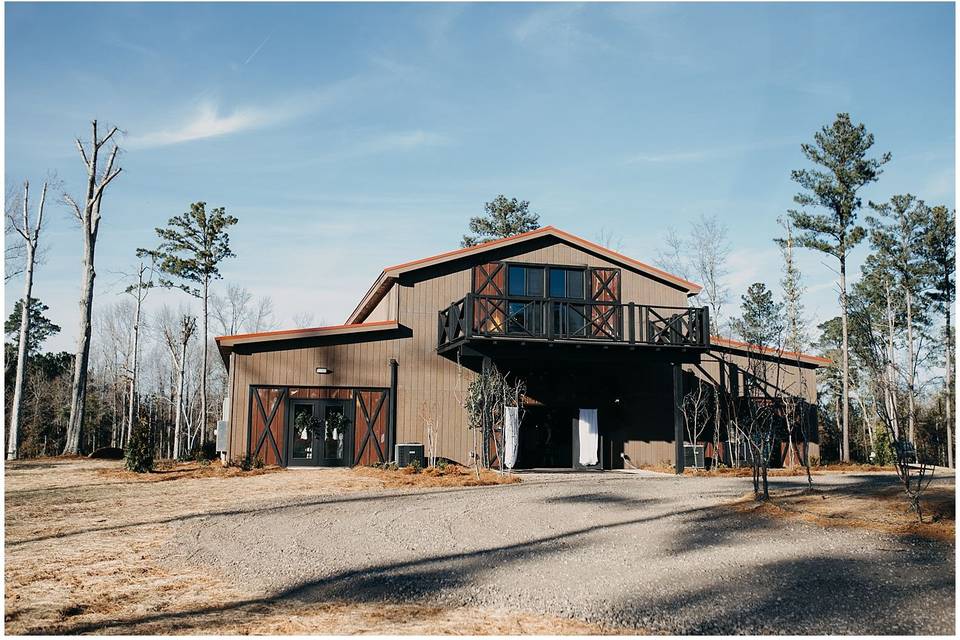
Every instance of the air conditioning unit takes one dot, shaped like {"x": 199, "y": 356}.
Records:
{"x": 406, "y": 453}
{"x": 693, "y": 456}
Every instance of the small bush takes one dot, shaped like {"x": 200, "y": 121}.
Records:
{"x": 139, "y": 454}
{"x": 442, "y": 464}
{"x": 415, "y": 465}
{"x": 258, "y": 463}
{"x": 245, "y": 464}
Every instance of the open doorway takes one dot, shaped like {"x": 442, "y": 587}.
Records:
{"x": 546, "y": 439}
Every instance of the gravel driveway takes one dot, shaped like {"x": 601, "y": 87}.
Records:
{"x": 652, "y": 553}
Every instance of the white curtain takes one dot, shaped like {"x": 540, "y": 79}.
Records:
{"x": 589, "y": 436}
{"x": 511, "y": 436}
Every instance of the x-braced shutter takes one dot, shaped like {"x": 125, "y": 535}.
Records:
{"x": 490, "y": 305}
{"x": 605, "y": 288}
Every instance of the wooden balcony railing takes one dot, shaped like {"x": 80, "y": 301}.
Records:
{"x": 566, "y": 320}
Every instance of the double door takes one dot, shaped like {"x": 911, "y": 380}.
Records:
{"x": 320, "y": 433}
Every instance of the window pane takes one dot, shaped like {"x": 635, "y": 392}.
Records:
{"x": 576, "y": 319}
{"x": 516, "y": 286}
{"x": 575, "y": 284}
{"x": 535, "y": 281}
{"x": 558, "y": 283}
{"x": 516, "y": 322}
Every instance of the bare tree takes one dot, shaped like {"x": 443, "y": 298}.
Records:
{"x": 89, "y": 218}
{"x": 139, "y": 292}
{"x": 176, "y": 333}
{"x": 695, "y": 407}
{"x": 29, "y": 230}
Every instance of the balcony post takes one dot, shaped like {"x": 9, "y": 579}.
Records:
{"x": 705, "y": 327}
{"x": 549, "y": 319}
{"x": 468, "y": 315}
{"x": 678, "y": 416}
{"x": 631, "y": 323}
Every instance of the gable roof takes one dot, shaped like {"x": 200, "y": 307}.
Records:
{"x": 390, "y": 274}
{"x": 737, "y": 345}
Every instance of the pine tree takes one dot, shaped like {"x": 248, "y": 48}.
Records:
{"x": 841, "y": 151}
{"x": 502, "y": 218}
{"x": 796, "y": 331}
{"x": 193, "y": 244}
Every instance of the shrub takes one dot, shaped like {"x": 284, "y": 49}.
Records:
{"x": 139, "y": 454}
{"x": 258, "y": 463}
{"x": 415, "y": 465}
{"x": 882, "y": 448}
{"x": 442, "y": 464}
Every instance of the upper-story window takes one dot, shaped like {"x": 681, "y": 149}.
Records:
{"x": 567, "y": 283}
{"x": 526, "y": 281}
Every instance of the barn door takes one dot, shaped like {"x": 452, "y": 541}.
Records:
{"x": 267, "y": 425}
{"x": 605, "y": 318}
{"x": 490, "y": 313}
{"x": 370, "y": 434}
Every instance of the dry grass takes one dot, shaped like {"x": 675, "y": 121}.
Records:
{"x": 746, "y": 472}
{"x": 883, "y": 509}
{"x": 85, "y": 543}
{"x": 450, "y": 476}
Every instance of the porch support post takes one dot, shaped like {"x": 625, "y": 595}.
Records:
{"x": 678, "y": 415}
{"x": 392, "y": 411}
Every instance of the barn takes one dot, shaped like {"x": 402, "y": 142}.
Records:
{"x": 587, "y": 329}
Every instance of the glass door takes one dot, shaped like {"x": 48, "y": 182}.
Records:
{"x": 305, "y": 422}
{"x": 337, "y": 441}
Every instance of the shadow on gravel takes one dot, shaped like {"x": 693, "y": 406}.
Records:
{"x": 389, "y": 582}
{"x": 823, "y": 595}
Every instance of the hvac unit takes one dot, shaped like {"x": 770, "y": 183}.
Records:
{"x": 405, "y": 454}
{"x": 693, "y": 455}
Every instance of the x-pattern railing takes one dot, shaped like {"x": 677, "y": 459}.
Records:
{"x": 553, "y": 319}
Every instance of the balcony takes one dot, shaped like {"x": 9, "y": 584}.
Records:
{"x": 487, "y": 317}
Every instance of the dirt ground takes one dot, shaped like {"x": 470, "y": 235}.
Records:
{"x": 880, "y": 509}
{"x": 82, "y": 548}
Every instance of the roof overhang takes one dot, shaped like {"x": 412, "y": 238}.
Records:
{"x": 790, "y": 356}
{"x": 226, "y": 344}
{"x": 390, "y": 275}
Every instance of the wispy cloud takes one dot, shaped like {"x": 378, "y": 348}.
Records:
{"x": 556, "y": 32}
{"x": 208, "y": 119}
{"x": 680, "y": 156}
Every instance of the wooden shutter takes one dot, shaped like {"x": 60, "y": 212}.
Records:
{"x": 489, "y": 314}
{"x": 605, "y": 318}
{"x": 267, "y": 418}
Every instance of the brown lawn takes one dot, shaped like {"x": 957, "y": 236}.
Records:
{"x": 84, "y": 545}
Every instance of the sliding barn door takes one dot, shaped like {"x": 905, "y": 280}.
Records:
{"x": 605, "y": 288}
{"x": 267, "y": 416}
{"x": 490, "y": 313}
{"x": 370, "y": 432}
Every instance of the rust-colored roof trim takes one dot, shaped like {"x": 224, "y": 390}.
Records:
{"x": 783, "y": 355}
{"x": 390, "y": 274}
{"x": 310, "y": 332}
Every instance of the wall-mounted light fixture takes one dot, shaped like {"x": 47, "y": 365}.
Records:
{"x": 323, "y": 371}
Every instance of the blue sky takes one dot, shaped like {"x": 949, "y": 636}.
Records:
{"x": 349, "y": 137}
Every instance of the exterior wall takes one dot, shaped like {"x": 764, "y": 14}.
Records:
{"x": 386, "y": 309}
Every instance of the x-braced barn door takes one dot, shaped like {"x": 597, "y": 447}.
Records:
{"x": 605, "y": 288}
{"x": 371, "y": 427}
{"x": 267, "y": 424}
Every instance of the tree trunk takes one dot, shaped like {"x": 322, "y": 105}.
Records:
{"x": 911, "y": 375}
{"x": 13, "y": 442}
{"x": 132, "y": 409}
{"x": 177, "y": 421}
{"x": 845, "y": 453}
{"x": 949, "y": 380}
{"x": 203, "y": 365}
{"x": 889, "y": 389}
{"x": 78, "y": 392}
